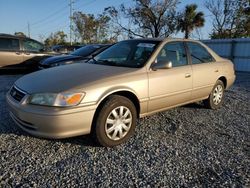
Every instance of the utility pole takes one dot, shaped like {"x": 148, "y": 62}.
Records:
{"x": 70, "y": 19}
{"x": 29, "y": 29}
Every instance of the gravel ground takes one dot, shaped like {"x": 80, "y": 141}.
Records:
{"x": 188, "y": 146}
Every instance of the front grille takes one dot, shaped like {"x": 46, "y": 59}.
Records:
{"x": 17, "y": 94}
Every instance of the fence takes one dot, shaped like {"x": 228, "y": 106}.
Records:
{"x": 238, "y": 50}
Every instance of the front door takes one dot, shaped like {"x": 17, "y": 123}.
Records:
{"x": 170, "y": 87}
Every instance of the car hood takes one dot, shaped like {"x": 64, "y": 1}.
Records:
{"x": 59, "y": 58}
{"x": 69, "y": 77}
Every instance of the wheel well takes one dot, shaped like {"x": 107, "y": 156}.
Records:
{"x": 126, "y": 94}
{"x": 131, "y": 96}
{"x": 224, "y": 80}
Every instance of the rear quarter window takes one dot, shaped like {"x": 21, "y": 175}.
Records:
{"x": 9, "y": 44}
{"x": 199, "y": 54}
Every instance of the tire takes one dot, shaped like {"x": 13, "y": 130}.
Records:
{"x": 110, "y": 127}
{"x": 216, "y": 97}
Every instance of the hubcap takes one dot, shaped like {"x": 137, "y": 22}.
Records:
{"x": 118, "y": 123}
{"x": 217, "y": 95}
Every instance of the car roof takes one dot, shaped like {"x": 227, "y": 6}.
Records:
{"x": 13, "y": 36}
{"x": 3, "y": 35}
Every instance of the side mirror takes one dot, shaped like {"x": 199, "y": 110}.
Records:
{"x": 161, "y": 65}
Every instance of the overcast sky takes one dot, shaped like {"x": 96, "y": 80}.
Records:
{"x": 46, "y": 16}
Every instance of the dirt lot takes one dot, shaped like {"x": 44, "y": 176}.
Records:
{"x": 183, "y": 147}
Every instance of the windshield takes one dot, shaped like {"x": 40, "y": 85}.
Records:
{"x": 133, "y": 53}
{"x": 86, "y": 50}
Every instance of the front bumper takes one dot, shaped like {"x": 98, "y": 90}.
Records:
{"x": 51, "y": 122}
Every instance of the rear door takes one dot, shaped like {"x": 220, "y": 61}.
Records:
{"x": 170, "y": 87}
{"x": 10, "y": 54}
{"x": 205, "y": 70}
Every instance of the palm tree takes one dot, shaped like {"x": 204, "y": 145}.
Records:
{"x": 190, "y": 19}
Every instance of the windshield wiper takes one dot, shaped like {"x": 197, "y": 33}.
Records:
{"x": 91, "y": 60}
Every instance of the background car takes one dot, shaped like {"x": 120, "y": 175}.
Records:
{"x": 65, "y": 49}
{"x": 19, "y": 52}
{"x": 83, "y": 53}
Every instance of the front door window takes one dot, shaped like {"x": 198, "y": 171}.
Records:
{"x": 173, "y": 52}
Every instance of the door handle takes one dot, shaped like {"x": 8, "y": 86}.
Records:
{"x": 188, "y": 75}
{"x": 18, "y": 53}
{"x": 27, "y": 53}
{"x": 216, "y": 70}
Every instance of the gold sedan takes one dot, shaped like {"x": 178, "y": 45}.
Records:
{"x": 129, "y": 80}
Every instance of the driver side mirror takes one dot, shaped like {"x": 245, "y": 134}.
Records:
{"x": 161, "y": 65}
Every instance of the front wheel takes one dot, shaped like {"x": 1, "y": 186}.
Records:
{"x": 115, "y": 122}
{"x": 216, "y": 97}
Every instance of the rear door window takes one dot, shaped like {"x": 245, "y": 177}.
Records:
{"x": 199, "y": 54}
{"x": 9, "y": 44}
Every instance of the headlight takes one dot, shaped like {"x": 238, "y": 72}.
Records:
{"x": 53, "y": 99}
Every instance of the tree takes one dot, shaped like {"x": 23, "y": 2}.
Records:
{"x": 243, "y": 29}
{"x": 230, "y": 18}
{"x": 102, "y": 28}
{"x": 154, "y": 18}
{"x": 56, "y": 38}
{"x": 91, "y": 29}
{"x": 85, "y": 26}
{"x": 190, "y": 19}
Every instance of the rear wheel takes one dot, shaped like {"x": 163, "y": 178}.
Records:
{"x": 115, "y": 122}
{"x": 216, "y": 97}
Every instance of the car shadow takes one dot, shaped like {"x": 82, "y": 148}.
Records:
{"x": 197, "y": 105}
{"x": 10, "y": 128}
{"x": 84, "y": 140}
